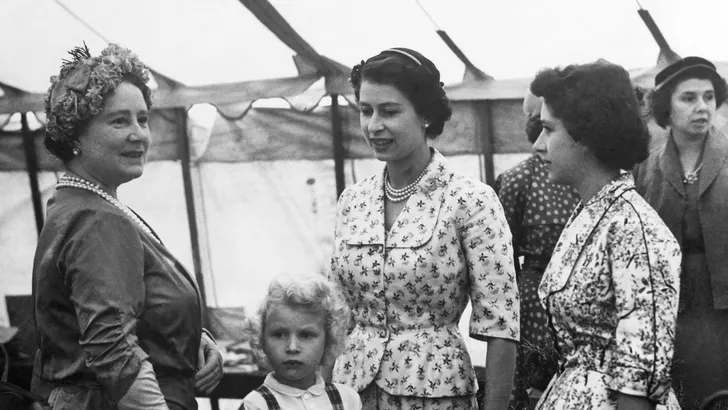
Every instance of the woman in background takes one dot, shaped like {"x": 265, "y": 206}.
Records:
{"x": 611, "y": 287}
{"x": 686, "y": 181}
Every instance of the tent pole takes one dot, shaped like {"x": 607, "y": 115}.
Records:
{"x": 31, "y": 162}
{"x": 487, "y": 130}
{"x": 184, "y": 154}
{"x": 338, "y": 144}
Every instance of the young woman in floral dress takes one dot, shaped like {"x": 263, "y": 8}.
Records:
{"x": 611, "y": 287}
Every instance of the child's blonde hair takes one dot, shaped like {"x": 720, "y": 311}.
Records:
{"x": 310, "y": 291}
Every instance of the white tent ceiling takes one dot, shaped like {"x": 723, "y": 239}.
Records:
{"x": 220, "y": 41}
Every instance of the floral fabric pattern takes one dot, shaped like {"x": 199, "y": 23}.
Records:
{"x": 611, "y": 291}
{"x": 374, "y": 398}
{"x": 408, "y": 288}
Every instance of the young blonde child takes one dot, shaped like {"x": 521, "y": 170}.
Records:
{"x": 302, "y": 326}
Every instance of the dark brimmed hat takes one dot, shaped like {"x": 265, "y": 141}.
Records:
{"x": 687, "y": 64}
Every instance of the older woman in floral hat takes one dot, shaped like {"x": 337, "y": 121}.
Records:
{"x": 118, "y": 318}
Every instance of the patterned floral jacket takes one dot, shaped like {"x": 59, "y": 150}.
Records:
{"x": 611, "y": 291}
{"x": 408, "y": 288}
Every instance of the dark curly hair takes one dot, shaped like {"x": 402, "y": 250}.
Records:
{"x": 79, "y": 91}
{"x": 599, "y": 109}
{"x": 420, "y": 83}
{"x": 660, "y": 101}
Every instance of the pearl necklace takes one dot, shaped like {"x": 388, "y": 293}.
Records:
{"x": 692, "y": 177}
{"x": 68, "y": 181}
{"x": 399, "y": 195}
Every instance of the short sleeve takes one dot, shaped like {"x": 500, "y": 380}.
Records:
{"x": 645, "y": 264}
{"x": 104, "y": 271}
{"x": 486, "y": 242}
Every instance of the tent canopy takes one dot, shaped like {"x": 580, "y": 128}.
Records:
{"x": 255, "y": 200}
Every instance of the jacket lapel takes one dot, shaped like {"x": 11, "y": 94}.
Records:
{"x": 577, "y": 233}
{"x": 416, "y": 223}
{"x": 714, "y": 156}
{"x": 671, "y": 168}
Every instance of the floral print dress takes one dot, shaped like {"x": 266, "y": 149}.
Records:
{"x": 408, "y": 287}
{"x": 611, "y": 292}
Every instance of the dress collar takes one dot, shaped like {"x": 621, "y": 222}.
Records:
{"x": 316, "y": 390}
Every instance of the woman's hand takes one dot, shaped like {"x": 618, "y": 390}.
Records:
{"x": 210, "y": 366}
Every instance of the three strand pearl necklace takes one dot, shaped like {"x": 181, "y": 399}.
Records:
{"x": 399, "y": 195}
{"x": 68, "y": 181}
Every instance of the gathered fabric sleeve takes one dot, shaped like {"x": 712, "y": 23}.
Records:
{"x": 486, "y": 244}
{"x": 103, "y": 261}
{"x": 645, "y": 267}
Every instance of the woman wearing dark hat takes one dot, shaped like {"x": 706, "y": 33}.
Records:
{"x": 118, "y": 318}
{"x": 686, "y": 181}
{"x": 412, "y": 245}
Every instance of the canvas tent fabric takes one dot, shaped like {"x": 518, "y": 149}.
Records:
{"x": 264, "y": 179}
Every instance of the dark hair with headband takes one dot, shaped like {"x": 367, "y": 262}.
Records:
{"x": 414, "y": 76}
{"x": 670, "y": 77}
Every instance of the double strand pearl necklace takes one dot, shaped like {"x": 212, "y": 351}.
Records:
{"x": 68, "y": 181}
{"x": 399, "y": 195}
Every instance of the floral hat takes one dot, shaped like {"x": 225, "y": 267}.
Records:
{"x": 77, "y": 93}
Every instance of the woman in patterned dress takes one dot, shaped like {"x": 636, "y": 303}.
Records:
{"x": 693, "y": 204}
{"x": 611, "y": 287}
{"x": 413, "y": 244}
{"x": 536, "y": 210}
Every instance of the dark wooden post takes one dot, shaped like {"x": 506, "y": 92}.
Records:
{"x": 485, "y": 131}
{"x": 184, "y": 155}
{"x": 338, "y": 136}
{"x": 31, "y": 163}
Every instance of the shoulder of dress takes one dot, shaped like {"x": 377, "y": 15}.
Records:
{"x": 363, "y": 187}
{"x": 85, "y": 209}
{"x": 470, "y": 186}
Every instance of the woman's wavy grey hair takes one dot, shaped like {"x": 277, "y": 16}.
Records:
{"x": 312, "y": 292}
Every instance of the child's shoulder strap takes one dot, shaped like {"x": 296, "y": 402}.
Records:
{"x": 334, "y": 396}
{"x": 270, "y": 399}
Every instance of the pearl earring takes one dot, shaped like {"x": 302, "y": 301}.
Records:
{"x": 76, "y": 152}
